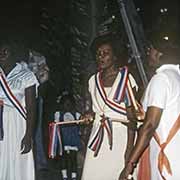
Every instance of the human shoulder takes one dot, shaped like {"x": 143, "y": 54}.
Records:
{"x": 21, "y": 71}
{"x": 24, "y": 67}
{"x": 26, "y": 75}
{"x": 92, "y": 79}
{"x": 92, "y": 82}
{"x": 158, "y": 86}
{"x": 168, "y": 69}
{"x": 160, "y": 77}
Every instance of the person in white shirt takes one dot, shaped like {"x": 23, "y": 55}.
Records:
{"x": 18, "y": 90}
{"x": 111, "y": 138}
{"x": 161, "y": 103}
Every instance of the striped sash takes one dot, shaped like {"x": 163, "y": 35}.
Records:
{"x": 96, "y": 142}
{"x": 163, "y": 161}
{"x": 11, "y": 96}
{"x": 122, "y": 93}
{"x": 111, "y": 104}
{"x": 121, "y": 87}
{"x": 55, "y": 143}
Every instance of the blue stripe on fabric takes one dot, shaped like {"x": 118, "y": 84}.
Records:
{"x": 105, "y": 100}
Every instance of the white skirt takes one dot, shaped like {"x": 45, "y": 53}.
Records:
{"x": 109, "y": 163}
{"x": 14, "y": 165}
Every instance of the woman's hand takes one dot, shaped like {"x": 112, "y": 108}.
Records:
{"x": 88, "y": 117}
{"x": 133, "y": 114}
{"x": 26, "y": 144}
{"x": 127, "y": 172}
{"x": 140, "y": 114}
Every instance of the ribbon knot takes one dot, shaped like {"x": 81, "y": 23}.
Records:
{"x": 163, "y": 145}
{"x": 163, "y": 160}
{"x": 96, "y": 142}
{"x": 103, "y": 119}
{"x": 55, "y": 141}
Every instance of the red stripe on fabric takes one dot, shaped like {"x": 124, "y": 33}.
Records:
{"x": 125, "y": 84}
{"x": 108, "y": 130}
{"x": 96, "y": 142}
{"x": 112, "y": 103}
{"x": 129, "y": 94}
{"x": 12, "y": 94}
{"x": 50, "y": 140}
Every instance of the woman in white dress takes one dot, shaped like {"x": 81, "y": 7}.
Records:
{"x": 111, "y": 140}
{"x": 18, "y": 87}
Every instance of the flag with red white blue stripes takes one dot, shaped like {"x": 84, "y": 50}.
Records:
{"x": 55, "y": 141}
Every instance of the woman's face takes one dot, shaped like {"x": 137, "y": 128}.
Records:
{"x": 105, "y": 56}
{"x": 154, "y": 57}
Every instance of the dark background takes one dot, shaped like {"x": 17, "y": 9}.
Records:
{"x": 28, "y": 18}
{"x": 62, "y": 31}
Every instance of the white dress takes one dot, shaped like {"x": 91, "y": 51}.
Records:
{"x": 14, "y": 165}
{"x": 108, "y": 163}
{"x": 163, "y": 92}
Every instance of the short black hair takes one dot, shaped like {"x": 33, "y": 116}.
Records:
{"x": 114, "y": 39}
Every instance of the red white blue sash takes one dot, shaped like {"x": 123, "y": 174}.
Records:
{"x": 96, "y": 142}
{"x": 55, "y": 143}
{"x": 11, "y": 96}
{"x": 121, "y": 93}
{"x": 121, "y": 87}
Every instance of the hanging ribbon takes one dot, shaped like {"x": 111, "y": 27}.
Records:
{"x": 55, "y": 141}
{"x": 96, "y": 142}
{"x": 122, "y": 85}
{"x": 12, "y": 99}
{"x": 124, "y": 92}
{"x": 11, "y": 96}
{"x": 111, "y": 104}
